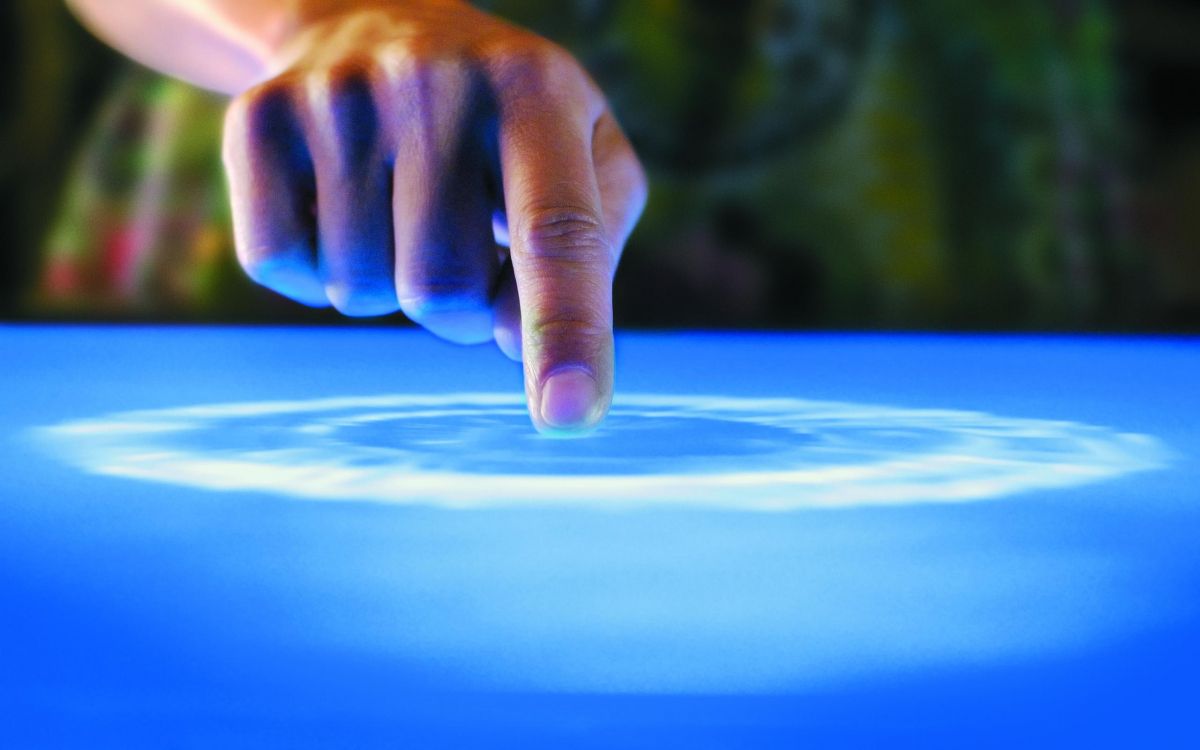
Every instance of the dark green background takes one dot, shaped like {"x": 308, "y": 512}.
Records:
{"x": 709, "y": 192}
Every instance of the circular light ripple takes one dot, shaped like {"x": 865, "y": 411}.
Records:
{"x": 470, "y": 450}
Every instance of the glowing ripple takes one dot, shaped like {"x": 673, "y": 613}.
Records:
{"x": 471, "y": 450}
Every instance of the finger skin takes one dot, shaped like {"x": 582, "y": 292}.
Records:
{"x": 622, "y": 181}
{"x": 507, "y": 305}
{"x": 561, "y": 252}
{"x": 271, "y": 184}
{"x": 354, "y": 219}
{"x": 623, "y": 193}
{"x": 446, "y": 261}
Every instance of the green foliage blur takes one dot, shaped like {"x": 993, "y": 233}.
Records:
{"x": 882, "y": 164}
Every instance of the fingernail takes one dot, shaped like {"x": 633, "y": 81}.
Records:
{"x": 569, "y": 399}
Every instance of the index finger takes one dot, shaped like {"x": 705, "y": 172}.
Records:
{"x": 562, "y": 256}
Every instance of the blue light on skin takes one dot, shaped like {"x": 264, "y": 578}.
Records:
{"x": 138, "y": 605}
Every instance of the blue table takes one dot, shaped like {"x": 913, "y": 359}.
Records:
{"x": 243, "y": 537}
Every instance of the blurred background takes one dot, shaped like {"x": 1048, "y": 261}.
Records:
{"x": 880, "y": 164}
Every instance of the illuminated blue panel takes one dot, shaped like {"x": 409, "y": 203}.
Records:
{"x": 775, "y": 540}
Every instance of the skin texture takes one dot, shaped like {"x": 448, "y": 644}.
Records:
{"x": 420, "y": 156}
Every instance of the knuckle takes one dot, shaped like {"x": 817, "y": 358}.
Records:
{"x": 261, "y": 110}
{"x": 398, "y": 56}
{"x": 569, "y": 326}
{"x": 436, "y": 73}
{"x": 572, "y": 235}
{"x": 573, "y": 335}
{"x": 532, "y": 64}
{"x": 426, "y": 91}
{"x": 341, "y": 115}
{"x": 413, "y": 63}
{"x": 261, "y": 122}
{"x": 348, "y": 78}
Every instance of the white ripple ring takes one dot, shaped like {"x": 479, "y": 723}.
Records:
{"x": 478, "y": 450}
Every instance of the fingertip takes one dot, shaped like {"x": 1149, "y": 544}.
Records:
{"x": 362, "y": 300}
{"x": 290, "y": 279}
{"x": 570, "y": 376}
{"x": 307, "y": 294}
{"x": 571, "y": 403}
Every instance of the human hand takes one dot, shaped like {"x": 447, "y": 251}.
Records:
{"x": 401, "y": 146}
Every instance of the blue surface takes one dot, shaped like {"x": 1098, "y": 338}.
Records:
{"x": 156, "y": 613}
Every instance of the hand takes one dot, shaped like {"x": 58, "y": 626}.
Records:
{"x": 401, "y": 146}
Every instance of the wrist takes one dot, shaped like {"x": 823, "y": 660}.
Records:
{"x": 304, "y": 14}
{"x": 306, "y": 20}
{"x": 309, "y": 11}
